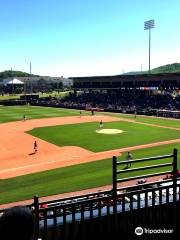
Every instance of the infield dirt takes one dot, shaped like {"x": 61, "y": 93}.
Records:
{"x": 17, "y": 156}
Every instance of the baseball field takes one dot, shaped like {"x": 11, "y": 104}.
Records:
{"x": 73, "y": 152}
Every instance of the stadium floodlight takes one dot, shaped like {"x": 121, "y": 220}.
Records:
{"x": 147, "y": 26}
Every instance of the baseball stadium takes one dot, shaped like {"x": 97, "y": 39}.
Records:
{"x": 69, "y": 178}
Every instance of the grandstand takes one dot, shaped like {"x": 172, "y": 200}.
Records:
{"x": 162, "y": 81}
{"x": 147, "y": 94}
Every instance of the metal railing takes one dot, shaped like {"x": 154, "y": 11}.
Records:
{"x": 118, "y": 200}
{"x": 111, "y": 209}
{"x": 91, "y": 207}
{"x": 116, "y": 172}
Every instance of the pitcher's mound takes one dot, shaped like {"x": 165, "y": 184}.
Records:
{"x": 109, "y": 131}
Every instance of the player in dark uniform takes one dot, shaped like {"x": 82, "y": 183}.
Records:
{"x": 101, "y": 125}
{"x": 35, "y": 147}
{"x": 129, "y": 157}
{"x": 24, "y": 117}
{"x": 135, "y": 114}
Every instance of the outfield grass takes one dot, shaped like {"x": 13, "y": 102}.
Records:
{"x": 84, "y": 135}
{"x": 15, "y": 113}
{"x": 10, "y": 97}
{"x": 159, "y": 121}
{"x": 52, "y": 94}
{"x": 73, "y": 178}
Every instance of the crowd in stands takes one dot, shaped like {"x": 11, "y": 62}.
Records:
{"x": 122, "y": 102}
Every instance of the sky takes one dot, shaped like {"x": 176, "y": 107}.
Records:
{"x": 87, "y": 37}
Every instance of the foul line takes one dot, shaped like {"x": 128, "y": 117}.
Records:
{"x": 156, "y": 144}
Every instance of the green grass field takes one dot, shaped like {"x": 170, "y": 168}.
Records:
{"x": 15, "y": 113}
{"x": 159, "y": 121}
{"x": 52, "y": 94}
{"x": 84, "y": 135}
{"x": 67, "y": 179}
{"x": 82, "y": 176}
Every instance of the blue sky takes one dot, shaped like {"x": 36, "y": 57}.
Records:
{"x": 86, "y": 38}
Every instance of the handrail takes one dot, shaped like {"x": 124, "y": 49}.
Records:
{"x": 116, "y": 172}
{"x": 143, "y": 168}
{"x": 145, "y": 159}
{"x": 142, "y": 176}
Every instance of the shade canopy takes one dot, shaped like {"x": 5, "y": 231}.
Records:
{"x": 12, "y": 81}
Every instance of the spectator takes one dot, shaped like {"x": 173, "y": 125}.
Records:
{"x": 141, "y": 181}
{"x": 17, "y": 223}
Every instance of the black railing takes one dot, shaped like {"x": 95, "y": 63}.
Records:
{"x": 116, "y": 172}
{"x": 116, "y": 211}
{"x": 60, "y": 214}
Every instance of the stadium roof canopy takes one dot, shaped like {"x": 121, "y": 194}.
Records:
{"x": 119, "y": 81}
{"x": 124, "y": 77}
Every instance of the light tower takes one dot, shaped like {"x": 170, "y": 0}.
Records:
{"x": 147, "y": 26}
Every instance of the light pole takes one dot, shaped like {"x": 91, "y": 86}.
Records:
{"x": 25, "y": 89}
{"x": 147, "y": 26}
{"x": 31, "y": 88}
